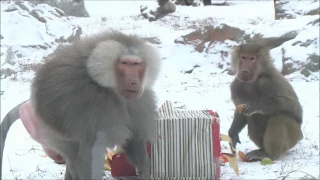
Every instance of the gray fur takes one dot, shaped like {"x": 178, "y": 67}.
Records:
{"x": 271, "y": 104}
{"x": 74, "y": 104}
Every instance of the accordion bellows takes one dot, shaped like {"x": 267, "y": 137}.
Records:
{"x": 188, "y": 146}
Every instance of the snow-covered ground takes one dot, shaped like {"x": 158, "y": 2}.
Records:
{"x": 205, "y": 88}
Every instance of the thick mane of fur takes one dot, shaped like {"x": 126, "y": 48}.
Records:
{"x": 103, "y": 49}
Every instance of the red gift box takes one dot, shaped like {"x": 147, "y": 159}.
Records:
{"x": 120, "y": 167}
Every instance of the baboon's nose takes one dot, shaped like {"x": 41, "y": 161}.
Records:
{"x": 133, "y": 83}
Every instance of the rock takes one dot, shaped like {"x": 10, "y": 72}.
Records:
{"x": 272, "y": 42}
{"x": 154, "y": 11}
{"x": 12, "y": 7}
{"x": 211, "y": 34}
{"x": 301, "y": 56}
{"x": 315, "y": 22}
{"x": 60, "y": 12}
{"x": 77, "y": 31}
{"x": 179, "y": 40}
{"x": 181, "y": 2}
{"x": 305, "y": 72}
{"x": 194, "y": 3}
{"x": 28, "y": 46}
{"x": 313, "y": 63}
{"x": 38, "y": 15}
{"x": 69, "y": 7}
{"x": 153, "y": 40}
{"x": 20, "y": 5}
{"x": 10, "y": 56}
{"x": 16, "y": 31}
{"x": 25, "y": 5}
{"x": 149, "y": 12}
{"x": 191, "y": 70}
{"x": 50, "y": 56}
{"x": 289, "y": 66}
{"x": 51, "y": 12}
{"x": 7, "y": 69}
{"x": 218, "y": 2}
{"x": 293, "y": 49}
{"x": 197, "y": 3}
{"x": 38, "y": 11}
{"x": 287, "y": 9}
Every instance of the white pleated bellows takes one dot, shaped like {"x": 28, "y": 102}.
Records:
{"x": 185, "y": 148}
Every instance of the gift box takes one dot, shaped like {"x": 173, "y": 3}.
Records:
{"x": 188, "y": 146}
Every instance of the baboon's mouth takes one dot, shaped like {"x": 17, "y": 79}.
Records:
{"x": 131, "y": 91}
{"x": 131, "y": 94}
{"x": 245, "y": 78}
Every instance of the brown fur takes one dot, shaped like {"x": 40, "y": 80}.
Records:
{"x": 272, "y": 112}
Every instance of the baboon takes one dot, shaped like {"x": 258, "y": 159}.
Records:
{"x": 272, "y": 110}
{"x": 93, "y": 94}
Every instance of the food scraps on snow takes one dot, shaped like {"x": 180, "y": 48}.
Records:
{"x": 266, "y": 161}
{"x": 228, "y": 152}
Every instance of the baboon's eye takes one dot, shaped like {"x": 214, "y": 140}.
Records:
{"x": 252, "y": 58}
{"x": 243, "y": 57}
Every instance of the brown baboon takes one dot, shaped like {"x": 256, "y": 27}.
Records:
{"x": 272, "y": 110}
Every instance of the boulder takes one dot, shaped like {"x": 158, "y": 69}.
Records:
{"x": 69, "y": 7}
{"x": 293, "y": 49}
{"x": 24, "y": 48}
{"x": 288, "y": 9}
{"x": 211, "y": 34}
{"x": 272, "y": 42}
{"x": 154, "y": 11}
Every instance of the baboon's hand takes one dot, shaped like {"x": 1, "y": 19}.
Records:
{"x": 144, "y": 172}
{"x": 251, "y": 108}
{"x": 235, "y": 140}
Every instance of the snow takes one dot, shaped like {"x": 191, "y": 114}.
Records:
{"x": 16, "y": 21}
{"x": 206, "y": 87}
{"x": 296, "y": 11}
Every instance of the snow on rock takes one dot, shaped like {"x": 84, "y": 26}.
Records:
{"x": 191, "y": 80}
{"x": 69, "y": 7}
{"x": 293, "y": 9}
{"x": 31, "y": 32}
{"x": 23, "y": 29}
{"x": 287, "y": 40}
{"x": 301, "y": 53}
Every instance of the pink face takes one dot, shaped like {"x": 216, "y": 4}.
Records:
{"x": 247, "y": 67}
{"x": 130, "y": 71}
